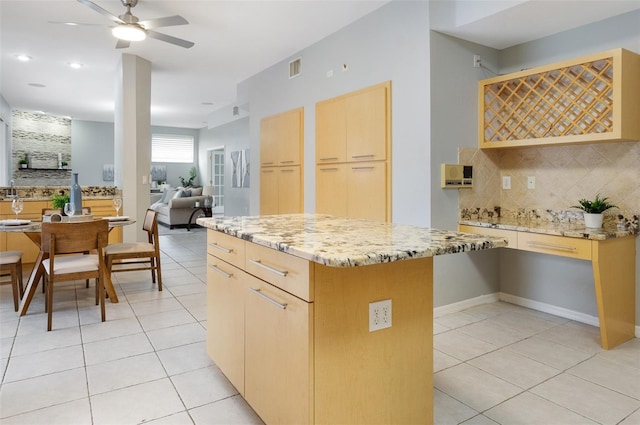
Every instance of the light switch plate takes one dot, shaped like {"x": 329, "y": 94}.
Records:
{"x": 506, "y": 182}
{"x": 531, "y": 182}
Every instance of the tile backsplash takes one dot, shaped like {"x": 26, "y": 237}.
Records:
{"x": 563, "y": 175}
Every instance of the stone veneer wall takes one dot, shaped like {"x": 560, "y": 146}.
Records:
{"x": 42, "y": 137}
{"x": 564, "y": 174}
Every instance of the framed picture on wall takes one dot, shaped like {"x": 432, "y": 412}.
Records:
{"x": 108, "y": 173}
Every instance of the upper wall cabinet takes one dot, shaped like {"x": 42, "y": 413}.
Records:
{"x": 594, "y": 98}
{"x": 280, "y": 139}
{"x": 355, "y": 126}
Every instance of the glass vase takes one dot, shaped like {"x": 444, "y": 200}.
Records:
{"x": 75, "y": 194}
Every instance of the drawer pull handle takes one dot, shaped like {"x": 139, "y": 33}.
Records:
{"x": 271, "y": 269}
{"x": 267, "y": 171}
{"x": 286, "y": 171}
{"x": 272, "y": 301}
{"x": 222, "y": 272}
{"x": 552, "y": 246}
{"x": 362, "y": 168}
{"x": 221, "y": 248}
{"x": 267, "y": 163}
{"x": 329, "y": 169}
{"x": 287, "y": 162}
{"x": 362, "y": 156}
{"x": 333, "y": 158}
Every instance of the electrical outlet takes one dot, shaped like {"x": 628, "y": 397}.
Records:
{"x": 506, "y": 182}
{"x": 531, "y": 182}
{"x": 379, "y": 315}
{"x": 330, "y": 73}
{"x": 476, "y": 61}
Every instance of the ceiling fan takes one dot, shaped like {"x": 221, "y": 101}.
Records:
{"x": 130, "y": 28}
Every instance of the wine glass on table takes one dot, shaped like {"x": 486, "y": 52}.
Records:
{"x": 69, "y": 209}
{"x": 17, "y": 205}
{"x": 117, "y": 204}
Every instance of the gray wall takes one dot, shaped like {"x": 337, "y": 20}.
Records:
{"x": 454, "y": 124}
{"x": 232, "y": 136}
{"x": 92, "y": 145}
{"x": 392, "y": 43}
{"x": 563, "y": 282}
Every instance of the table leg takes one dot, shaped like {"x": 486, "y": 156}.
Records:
{"x": 615, "y": 286}
{"x": 32, "y": 285}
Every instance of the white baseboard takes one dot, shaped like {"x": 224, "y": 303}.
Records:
{"x": 524, "y": 302}
{"x": 463, "y": 305}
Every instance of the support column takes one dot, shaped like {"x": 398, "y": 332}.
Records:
{"x": 132, "y": 147}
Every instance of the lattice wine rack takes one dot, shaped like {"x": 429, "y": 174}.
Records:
{"x": 577, "y": 101}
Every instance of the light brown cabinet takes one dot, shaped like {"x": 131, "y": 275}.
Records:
{"x": 353, "y": 150}
{"x": 281, "y": 152}
{"x": 280, "y": 190}
{"x": 594, "y": 98}
{"x": 280, "y": 138}
{"x": 308, "y": 354}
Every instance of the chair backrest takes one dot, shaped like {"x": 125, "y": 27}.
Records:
{"x": 150, "y": 225}
{"x": 71, "y": 238}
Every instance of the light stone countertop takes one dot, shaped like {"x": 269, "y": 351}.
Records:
{"x": 571, "y": 230}
{"x": 342, "y": 242}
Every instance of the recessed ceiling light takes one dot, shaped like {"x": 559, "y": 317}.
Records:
{"x": 75, "y": 65}
{"x": 36, "y": 85}
{"x": 207, "y": 103}
{"x": 24, "y": 58}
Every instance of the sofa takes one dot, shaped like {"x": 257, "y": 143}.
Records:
{"x": 175, "y": 206}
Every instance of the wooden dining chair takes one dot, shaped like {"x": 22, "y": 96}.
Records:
{"x": 134, "y": 256}
{"x": 59, "y": 239}
{"x": 11, "y": 263}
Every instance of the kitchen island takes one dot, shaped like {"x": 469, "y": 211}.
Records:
{"x": 289, "y": 315}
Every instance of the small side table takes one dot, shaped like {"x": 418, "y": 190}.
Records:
{"x": 207, "y": 213}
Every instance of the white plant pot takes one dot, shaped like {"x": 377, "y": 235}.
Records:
{"x": 593, "y": 221}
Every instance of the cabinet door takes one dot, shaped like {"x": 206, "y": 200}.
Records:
{"x": 278, "y": 351}
{"x": 268, "y": 141}
{"x": 289, "y": 190}
{"x": 289, "y": 135}
{"x": 226, "y": 289}
{"x": 367, "y": 191}
{"x": 268, "y": 190}
{"x": 331, "y": 131}
{"x": 367, "y": 124}
{"x": 331, "y": 189}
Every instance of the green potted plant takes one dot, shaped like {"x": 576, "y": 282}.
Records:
{"x": 24, "y": 162}
{"x": 59, "y": 199}
{"x": 192, "y": 176}
{"x": 64, "y": 164}
{"x": 592, "y": 210}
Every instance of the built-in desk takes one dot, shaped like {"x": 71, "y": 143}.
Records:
{"x": 611, "y": 251}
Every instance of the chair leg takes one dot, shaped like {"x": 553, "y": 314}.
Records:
{"x": 158, "y": 270}
{"x": 20, "y": 281}
{"x": 49, "y": 304}
{"x": 14, "y": 285}
{"x": 100, "y": 286}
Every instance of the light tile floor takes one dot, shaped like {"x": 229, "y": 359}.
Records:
{"x": 495, "y": 363}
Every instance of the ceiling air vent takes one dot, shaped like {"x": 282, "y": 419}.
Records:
{"x": 295, "y": 67}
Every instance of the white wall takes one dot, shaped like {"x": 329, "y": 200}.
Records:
{"x": 5, "y": 142}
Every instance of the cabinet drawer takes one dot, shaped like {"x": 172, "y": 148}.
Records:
{"x": 225, "y": 247}
{"x": 510, "y": 235}
{"x": 555, "y": 245}
{"x": 285, "y": 271}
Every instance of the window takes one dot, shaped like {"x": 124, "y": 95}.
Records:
{"x": 171, "y": 148}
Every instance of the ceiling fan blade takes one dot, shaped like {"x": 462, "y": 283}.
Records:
{"x": 102, "y": 11}
{"x": 122, "y": 44}
{"x": 167, "y": 21}
{"x": 169, "y": 39}
{"x": 75, "y": 24}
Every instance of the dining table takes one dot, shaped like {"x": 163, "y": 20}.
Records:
{"x": 33, "y": 230}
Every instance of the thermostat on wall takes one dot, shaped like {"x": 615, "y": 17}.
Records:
{"x": 454, "y": 176}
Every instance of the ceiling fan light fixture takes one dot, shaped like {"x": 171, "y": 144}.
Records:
{"x": 129, "y": 32}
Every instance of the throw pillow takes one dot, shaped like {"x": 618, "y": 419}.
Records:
{"x": 186, "y": 193}
{"x": 178, "y": 194}
{"x": 196, "y": 191}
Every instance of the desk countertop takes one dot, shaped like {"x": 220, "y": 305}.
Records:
{"x": 571, "y": 230}
{"x": 341, "y": 242}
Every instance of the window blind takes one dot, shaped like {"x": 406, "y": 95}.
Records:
{"x": 171, "y": 148}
